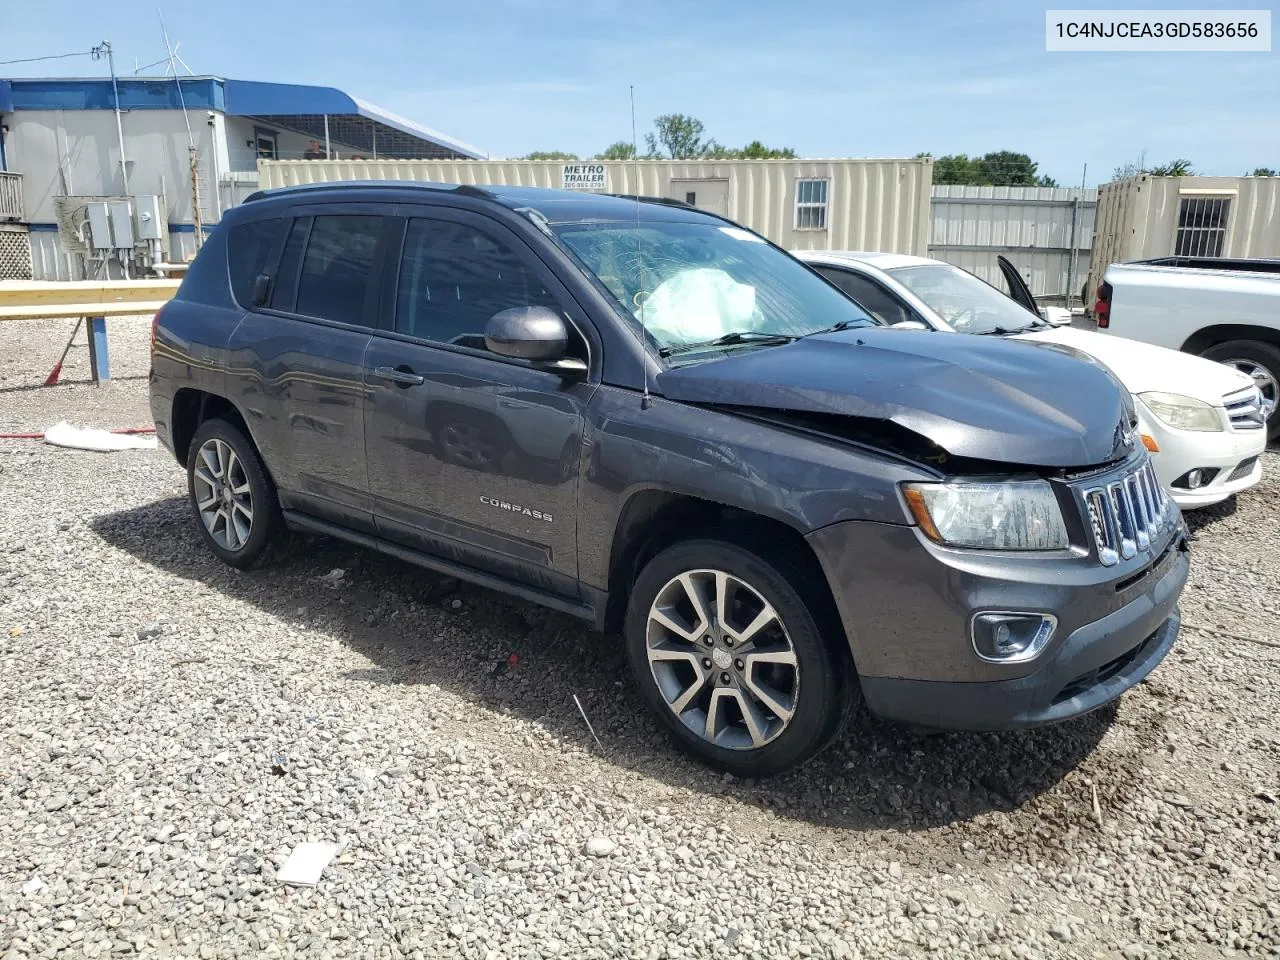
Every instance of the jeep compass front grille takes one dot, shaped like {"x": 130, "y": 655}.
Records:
{"x": 1128, "y": 513}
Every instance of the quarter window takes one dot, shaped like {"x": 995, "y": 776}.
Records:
{"x": 455, "y": 277}
{"x": 249, "y": 254}
{"x": 337, "y": 267}
{"x": 811, "y": 204}
{"x": 1202, "y": 226}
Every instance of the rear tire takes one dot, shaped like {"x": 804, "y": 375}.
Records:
{"x": 753, "y": 702}
{"x": 1262, "y": 362}
{"x": 234, "y": 500}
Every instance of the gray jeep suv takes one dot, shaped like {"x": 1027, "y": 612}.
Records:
{"x": 653, "y": 419}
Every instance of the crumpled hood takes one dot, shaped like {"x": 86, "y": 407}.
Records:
{"x": 1142, "y": 366}
{"x": 983, "y": 398}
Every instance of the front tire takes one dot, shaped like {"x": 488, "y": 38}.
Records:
{"x": 234, "y": 501}
{"x": 1259, "y": 360}
{"x": 730, "y": 655}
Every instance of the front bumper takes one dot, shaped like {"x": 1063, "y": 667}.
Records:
{"x": 1183, "y": 450}
{"x": 906, "y": 611}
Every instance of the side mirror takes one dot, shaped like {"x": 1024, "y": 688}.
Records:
{"x": 532, "y": 333}
{"x": 909, "y": 325}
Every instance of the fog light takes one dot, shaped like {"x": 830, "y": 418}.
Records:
{"x": 1197, "y": 478}
{"x": 1011, "y": 637}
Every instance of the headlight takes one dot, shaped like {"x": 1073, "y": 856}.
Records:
{"x": 1021, "y": 515}
{"x": 1183, "y": 413}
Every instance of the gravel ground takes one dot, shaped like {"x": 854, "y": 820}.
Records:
{"x": 174, "y": 728}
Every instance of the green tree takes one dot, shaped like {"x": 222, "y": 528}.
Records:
{"x": 755, "y": 150}
{"x": 549, "y": 155}
{"x": 1264, "y": 172}
{"x": 1174, "y": 168}
{"x": 679, "y": 135}
{"x": 619, "y": 150}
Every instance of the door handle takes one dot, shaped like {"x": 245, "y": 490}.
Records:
{"x": 401, "y": 377}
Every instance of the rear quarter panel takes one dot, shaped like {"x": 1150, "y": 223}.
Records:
{"x": 191, "y": 336}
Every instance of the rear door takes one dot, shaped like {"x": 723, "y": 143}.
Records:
{"x": 297, "y": 361}
{"x": 472, "y": 456}
{"x": 1018, "y": 288}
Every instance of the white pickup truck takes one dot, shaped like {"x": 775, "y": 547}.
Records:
{"x": 1222, "y": 309}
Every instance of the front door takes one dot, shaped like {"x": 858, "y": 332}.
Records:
{"x": 472, "y": 456}
{"x": 711, "y": 195}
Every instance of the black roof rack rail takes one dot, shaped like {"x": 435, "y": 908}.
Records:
{"x": 664, "y": 201}
{"x": 320, "y": 187}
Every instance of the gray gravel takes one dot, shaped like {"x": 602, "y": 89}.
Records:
{"x": 174, "y": 728}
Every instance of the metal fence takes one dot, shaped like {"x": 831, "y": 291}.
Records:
{"x": 1046, "y": 232}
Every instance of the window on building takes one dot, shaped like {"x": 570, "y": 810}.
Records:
{"x": 691, "y": 198}
{"x": 1202, "y": 226}
{"x": 454, "y": 278}
{"x": 265, "y": 145}
{"x": 337, "y": 267}
{"x": 811, "y": 204}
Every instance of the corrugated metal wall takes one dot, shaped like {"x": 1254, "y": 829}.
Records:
{"x": 872, "y": 204}
{"x": 1138, "y": 218}
{"x": 1033, "y": 227}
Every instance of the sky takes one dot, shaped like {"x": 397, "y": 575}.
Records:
{"x": 826, "y": 78}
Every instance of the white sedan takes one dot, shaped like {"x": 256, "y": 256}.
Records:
{"x": 1202, "y": 421}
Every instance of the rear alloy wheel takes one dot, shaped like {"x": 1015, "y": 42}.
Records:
{"x": 1261, "y": 361}
{"x": 233, "y": 498}
{"x": 730, "y": 658}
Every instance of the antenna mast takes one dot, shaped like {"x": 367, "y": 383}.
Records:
{"x": 644, "y": 352}
{"x": 192, "y": 153}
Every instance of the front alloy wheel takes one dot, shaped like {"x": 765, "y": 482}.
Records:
{"x": 722, "y": 659}
{"x": 746, "y": 666}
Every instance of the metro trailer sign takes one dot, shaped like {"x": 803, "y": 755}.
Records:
{"x": 583, "y": 176}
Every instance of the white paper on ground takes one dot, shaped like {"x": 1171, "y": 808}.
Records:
{"x": 307, "y": 862}
{"x": 63, "y": 434}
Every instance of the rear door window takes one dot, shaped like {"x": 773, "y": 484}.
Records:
{"x": 252, "y": 249}
{"x": 338, "y": 268}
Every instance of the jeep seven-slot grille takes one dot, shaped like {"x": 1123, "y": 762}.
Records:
{"x": 1245, "y": 409}
{"x": 1128, "y": 513}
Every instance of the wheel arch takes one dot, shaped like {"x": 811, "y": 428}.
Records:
{"x": 653, "y": 519}
{"x": 1207, "y": 337}
{"x": 192, "y": 407}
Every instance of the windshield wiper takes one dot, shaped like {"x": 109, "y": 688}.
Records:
{"x": 840, "y": 325}
{"x": 997, "y": 331}
{"x": 729, "y": 340}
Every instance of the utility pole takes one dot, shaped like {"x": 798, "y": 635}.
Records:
{"x": 98, "y": 52}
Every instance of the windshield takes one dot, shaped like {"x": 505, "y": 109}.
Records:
{"x": 964, "y": 301}
{"x": 701, "y": 282}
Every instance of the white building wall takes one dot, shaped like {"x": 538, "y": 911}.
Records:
{"x": 878, "y": 205}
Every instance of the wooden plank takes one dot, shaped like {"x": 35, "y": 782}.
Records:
{"x": 81, "y": 294}
{"x": 64, "y": 311}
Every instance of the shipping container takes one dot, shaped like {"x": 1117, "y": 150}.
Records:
{"x": 880, "y": 205}
{"x": 1144, "y": 217}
